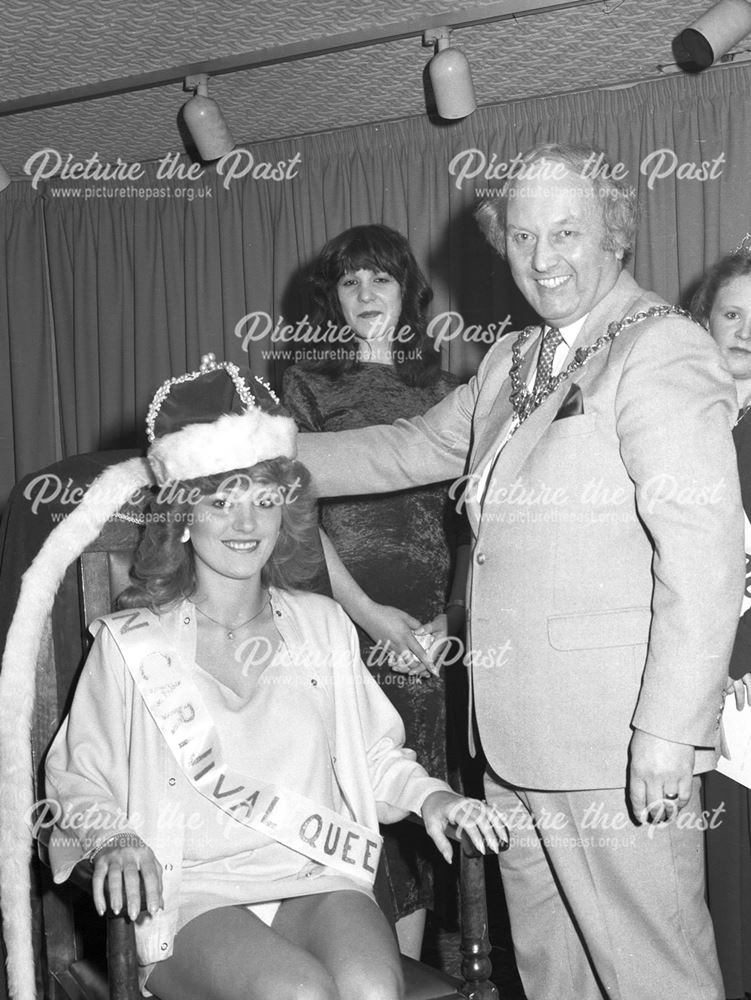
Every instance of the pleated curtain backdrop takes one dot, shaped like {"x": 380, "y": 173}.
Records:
{"x": 103, "y": 298}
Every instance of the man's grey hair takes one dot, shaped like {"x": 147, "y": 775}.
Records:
{"x": 617, "y": 199}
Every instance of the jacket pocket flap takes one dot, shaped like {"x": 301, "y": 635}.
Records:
{"x": 600, "y": 629}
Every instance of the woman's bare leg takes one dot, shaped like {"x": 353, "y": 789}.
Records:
{"x": 229, "y": 954}
{"x": 332, "y": 946}
{"x": 349, "y": 935}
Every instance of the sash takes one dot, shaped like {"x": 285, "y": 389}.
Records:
{"x": 174, "y": 702}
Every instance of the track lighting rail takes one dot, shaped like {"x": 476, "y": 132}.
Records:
{"x": 291, "y": 52}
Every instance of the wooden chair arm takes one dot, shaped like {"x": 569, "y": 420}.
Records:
{"x": 122, "y": 964}
{"x": 476, "y": 966}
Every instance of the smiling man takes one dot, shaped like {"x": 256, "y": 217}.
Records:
{"x": 615, "y": 604}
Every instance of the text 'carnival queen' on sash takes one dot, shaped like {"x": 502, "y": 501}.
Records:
{"x": 174, "y": 702}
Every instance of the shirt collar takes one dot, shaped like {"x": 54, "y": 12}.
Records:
{"x": 572, "y": 331}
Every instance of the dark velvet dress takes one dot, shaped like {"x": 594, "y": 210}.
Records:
{"x": 729, "y": 844}
{"x": 399, "y": 548}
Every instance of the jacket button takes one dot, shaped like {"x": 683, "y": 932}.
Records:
{"x": 164, "y": 945}
{"x": 173, "y": 781}
{"x": 481, "y": 557}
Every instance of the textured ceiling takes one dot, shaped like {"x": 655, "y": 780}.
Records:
{"x": 48, "y": 45}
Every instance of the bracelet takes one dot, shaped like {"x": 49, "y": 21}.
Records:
{"x": 123, "y": 839}
{"x": 457, "y": 602}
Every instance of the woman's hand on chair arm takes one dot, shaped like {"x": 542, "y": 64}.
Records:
{"x": 483, "y": 824}
{"x": 121, "y": 863}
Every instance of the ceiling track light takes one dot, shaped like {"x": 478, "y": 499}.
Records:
{"x": 714, "y": 34}
{"x": 205, "y": 120}
{"x": 734, "y": 58}
{"x": 450, "y": 76}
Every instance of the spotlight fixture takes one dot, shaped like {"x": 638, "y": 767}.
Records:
{"x": 714, "y": 34}
{"x": 4, "y": 178}
{"x": 450, "y": 76}
{"x": 734, "y": 58}
{"x": 205, "y": 120}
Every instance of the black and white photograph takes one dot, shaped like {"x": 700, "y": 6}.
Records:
{"x": 375, "y": 500}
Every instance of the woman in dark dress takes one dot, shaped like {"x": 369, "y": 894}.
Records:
{"x": 399, "y": 550}
{"x": 723, "y": 305}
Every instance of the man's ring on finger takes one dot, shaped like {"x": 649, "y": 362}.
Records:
{"x": 672, "y": 796}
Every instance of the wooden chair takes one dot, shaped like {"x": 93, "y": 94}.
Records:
{"x": 68, "y": 933}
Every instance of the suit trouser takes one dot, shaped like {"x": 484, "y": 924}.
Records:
{"x": 601, "y": 907}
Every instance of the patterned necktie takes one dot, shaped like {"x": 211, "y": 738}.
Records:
{"x": 550, "y": 341}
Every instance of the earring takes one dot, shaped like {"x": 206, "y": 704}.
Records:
{"x": 185, "y": 537}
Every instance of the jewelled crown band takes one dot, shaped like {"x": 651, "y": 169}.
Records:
{"x": 208, "y": 364}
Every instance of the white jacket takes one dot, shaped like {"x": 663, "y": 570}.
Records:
{"x": 110, "y": 764}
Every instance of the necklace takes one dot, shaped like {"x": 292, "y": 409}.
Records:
{"x": 524, "y": 401}
{"x": 742, "y": 413}
{"x": 235, "y": 628}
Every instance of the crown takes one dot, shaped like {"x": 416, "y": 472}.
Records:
{"x": 744, "y": 246}
{"x": 211, "y": 421}
{"x": 208, "y": 364}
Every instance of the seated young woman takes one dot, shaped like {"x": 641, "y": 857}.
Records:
{"x": 225, "y": 744}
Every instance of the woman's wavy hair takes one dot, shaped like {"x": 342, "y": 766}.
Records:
{"x": 620, "y": 210}
{"x": 733, "y": 265}
{"x": 374, "y": 248}
{"x": 164, "y": 573}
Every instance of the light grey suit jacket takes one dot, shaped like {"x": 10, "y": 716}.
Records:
{"x": 608, "y": 565}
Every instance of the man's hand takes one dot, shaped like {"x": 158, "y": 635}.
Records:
{"x": 741, "y": 689}
{"x": 660, "y": 777}
{"x": 437, "y": 628}
{"x": 122, "y": 862}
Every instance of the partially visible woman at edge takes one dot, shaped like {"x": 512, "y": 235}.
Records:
{"x": 225, "y": 728}
{"x": 723, "y": 304}
{"x": 398, "y": 563}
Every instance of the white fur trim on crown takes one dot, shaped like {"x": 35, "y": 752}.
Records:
{"x": 234, "y": 441}
{"x": 40, "y": 583}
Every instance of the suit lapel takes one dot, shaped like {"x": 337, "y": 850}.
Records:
{"x": 624, "y": 298}
{"x": 492, "y": 425}
{"x": 525, "y": 438}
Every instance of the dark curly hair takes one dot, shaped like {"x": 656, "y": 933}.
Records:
{"x": 374, "y": 248}
{"x": 732, "y": 265}
{"x": 164, "y": 568}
